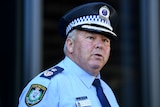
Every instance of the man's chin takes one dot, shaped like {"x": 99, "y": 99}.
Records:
{"x": 96, "y": 66}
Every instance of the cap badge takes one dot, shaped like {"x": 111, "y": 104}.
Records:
{"x": 104, "y": 12}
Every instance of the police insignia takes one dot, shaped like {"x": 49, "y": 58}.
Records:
{"x": 35, "y": 94}
{"x": 104, "y": 12}
{"x": 52, "y": 72}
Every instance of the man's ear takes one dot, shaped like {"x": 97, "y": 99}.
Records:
{"x": 69, "y": 45}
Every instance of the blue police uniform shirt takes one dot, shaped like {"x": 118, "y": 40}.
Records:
{"x": 72, "y": 87}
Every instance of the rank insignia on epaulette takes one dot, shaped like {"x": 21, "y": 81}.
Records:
{"x": 52, "y": 72}
{"x": 35, "y": 94}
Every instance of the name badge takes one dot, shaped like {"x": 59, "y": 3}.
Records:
{"x": 83, "y": 102}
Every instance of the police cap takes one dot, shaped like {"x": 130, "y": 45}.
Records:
{"x": 96, "y": 17}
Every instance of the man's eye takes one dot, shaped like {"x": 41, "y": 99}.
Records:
{"x": 90, "y": 37}
{"x": 106, "y": 40}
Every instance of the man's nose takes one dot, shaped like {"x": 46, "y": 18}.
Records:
{"x": 99, "y": 43}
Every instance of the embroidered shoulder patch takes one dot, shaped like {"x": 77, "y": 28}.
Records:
{"x": 35, "y": 94}
{"x": 52, "y": 72}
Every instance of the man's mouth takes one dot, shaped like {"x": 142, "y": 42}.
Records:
{"x": 98, "y": 56}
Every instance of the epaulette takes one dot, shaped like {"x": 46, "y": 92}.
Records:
{"x": 52, "y": 72}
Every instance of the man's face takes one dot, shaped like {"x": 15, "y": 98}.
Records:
{"x": 90, "y": 51}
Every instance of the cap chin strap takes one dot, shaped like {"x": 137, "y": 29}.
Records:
{"x": 98, "y": 28}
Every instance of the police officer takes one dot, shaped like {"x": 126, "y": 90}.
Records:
{"x": 88, "y": 30}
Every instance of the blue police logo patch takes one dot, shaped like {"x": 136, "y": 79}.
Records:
{"x": 52, "y": 72}
{"x": 35, "y": 94}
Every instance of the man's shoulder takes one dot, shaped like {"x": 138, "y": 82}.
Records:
{"x": 37, "y": 87}
{"x": 45, "y": 77}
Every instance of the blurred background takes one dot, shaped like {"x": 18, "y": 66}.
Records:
{"x": 30, "y": 43}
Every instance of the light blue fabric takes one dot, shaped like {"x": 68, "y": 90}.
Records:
{"x": 72, "y": 85}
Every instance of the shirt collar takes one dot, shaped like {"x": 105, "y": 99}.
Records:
{"x": 74, "y": 69}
